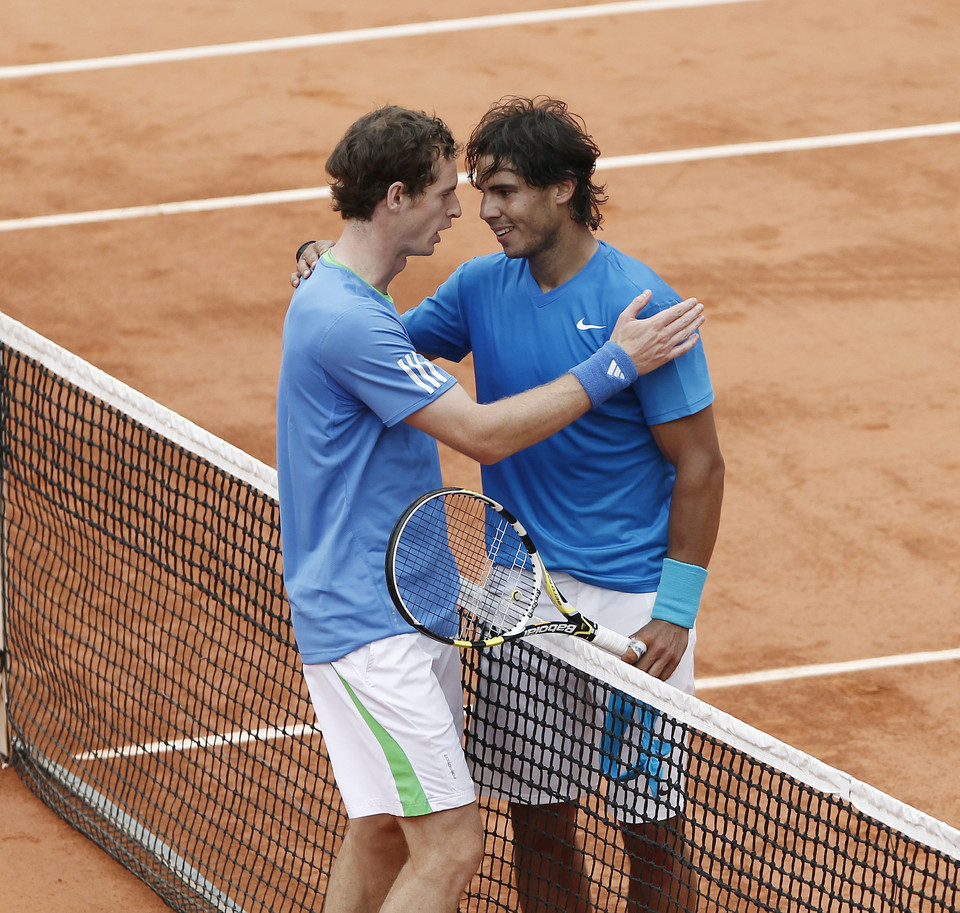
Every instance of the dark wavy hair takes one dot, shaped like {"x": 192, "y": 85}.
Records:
{"x": 544, "y": 143}
{"x": 387, "y": 145}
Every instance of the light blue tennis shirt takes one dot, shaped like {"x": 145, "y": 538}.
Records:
{"x": 347, "y": 463}
{"x": 595, "y": 496}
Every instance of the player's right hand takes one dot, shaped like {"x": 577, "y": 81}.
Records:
{"x": 665, "y": 643}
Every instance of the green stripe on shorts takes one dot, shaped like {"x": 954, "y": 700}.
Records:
{"x": 413, "y": 800}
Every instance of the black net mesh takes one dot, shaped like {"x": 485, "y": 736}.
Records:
{"x": 155, "y": 701}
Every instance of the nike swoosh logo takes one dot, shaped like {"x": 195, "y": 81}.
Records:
{"x": 588, "y": 326}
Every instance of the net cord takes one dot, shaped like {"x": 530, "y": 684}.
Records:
{"x": 686, "y": 709}
{"x": 138, "y": 406}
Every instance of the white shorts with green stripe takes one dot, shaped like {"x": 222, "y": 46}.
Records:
{"x": 391, "y": 714}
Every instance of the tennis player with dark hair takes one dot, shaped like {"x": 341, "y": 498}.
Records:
{"x": 357, "y": 408}
{"x": 626, "y": 501}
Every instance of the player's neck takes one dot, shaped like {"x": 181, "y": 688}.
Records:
{"x": 361, "y": 250}
{"x": 560, "y": 262}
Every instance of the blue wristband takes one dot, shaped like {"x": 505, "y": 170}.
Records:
{"x": 609, "y": 370}
{"x": 678, "y": 596}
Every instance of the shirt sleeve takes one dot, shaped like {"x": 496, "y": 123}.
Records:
{"x": 681, "y": 387}
{"x": 438, "y": 325}
{"x": 373, "y": 360}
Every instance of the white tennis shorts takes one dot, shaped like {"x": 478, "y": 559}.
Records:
{"x": 391, "y": 714}
{"x": 537, "y": 739}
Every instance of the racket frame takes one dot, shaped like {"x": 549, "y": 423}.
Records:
{"x": 573, "y": 623}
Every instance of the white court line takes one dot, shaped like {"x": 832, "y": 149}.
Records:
{"x": 166, "y": 209}
{"x": 728, "y": 681}
{"x": 799, "y": 144}
{"x": 352, "y": 36}
{"x": 858, "y": 665}
{"x": 603, "y": 164}
{"x": 209, "y": 741}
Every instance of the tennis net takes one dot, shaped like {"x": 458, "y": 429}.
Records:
{"x": 153, "y": 698}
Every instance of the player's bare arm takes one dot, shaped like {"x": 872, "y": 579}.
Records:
{"x": 691, "y": 445}
{"x": 492, "y": 431}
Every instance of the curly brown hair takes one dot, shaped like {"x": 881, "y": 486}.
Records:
{"x": 387, "y": 145}
{"x": 544, "y": 143}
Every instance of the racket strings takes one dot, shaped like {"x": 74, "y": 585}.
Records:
{"x": 494, "y": 565}
{"x": 463, "y": 571}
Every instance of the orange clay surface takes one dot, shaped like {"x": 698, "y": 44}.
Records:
{"x": 832, "y": 279}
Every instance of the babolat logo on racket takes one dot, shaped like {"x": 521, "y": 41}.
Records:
{"x": 558, "y": 627}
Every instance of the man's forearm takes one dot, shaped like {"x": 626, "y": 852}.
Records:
{"x": 491, "y": 432}
{"x": 695, "y": 514}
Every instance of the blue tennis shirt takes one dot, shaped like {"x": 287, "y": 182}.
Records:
{"x": 595, "y": 496}
{"x": 347, "y": 463}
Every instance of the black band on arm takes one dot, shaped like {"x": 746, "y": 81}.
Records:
{"x": 302, "y": 248}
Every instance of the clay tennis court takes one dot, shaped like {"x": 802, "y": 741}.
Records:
{"x": 830, "y": 269}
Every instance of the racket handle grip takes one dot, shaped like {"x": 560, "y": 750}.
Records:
{"x": 616, "y": 643}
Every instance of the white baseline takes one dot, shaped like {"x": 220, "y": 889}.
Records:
{"x": 857, "y": 665}
{"x": 270, "y": 198}
{"x": 351, "y": 36}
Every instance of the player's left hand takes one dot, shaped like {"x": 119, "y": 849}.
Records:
{"x": 655, "y": 340}
{"x": 666, "y": 643}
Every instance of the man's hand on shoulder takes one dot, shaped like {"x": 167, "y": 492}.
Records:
{"x": 307, "y": 257}
{"x": 653, "y": 342}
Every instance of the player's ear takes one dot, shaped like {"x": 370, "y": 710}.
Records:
{"x": 564, "y": 190}
{"x": 395, "y": 194}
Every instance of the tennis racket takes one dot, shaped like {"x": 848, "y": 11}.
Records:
{"x": 461, "y": 569}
